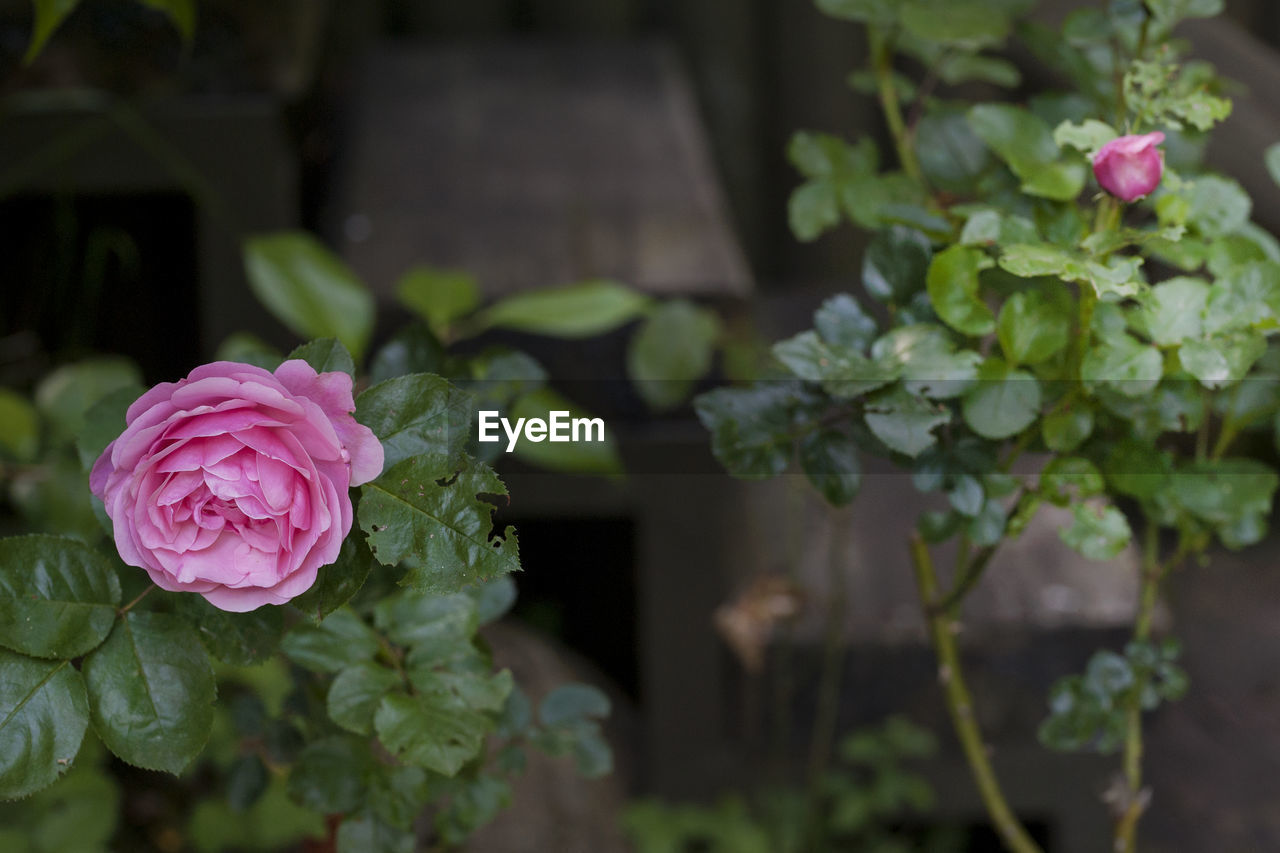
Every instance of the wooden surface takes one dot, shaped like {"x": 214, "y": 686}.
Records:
{"x": 531, "y": 164}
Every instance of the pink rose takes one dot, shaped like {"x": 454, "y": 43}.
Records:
{"x": 1130, "y": 167}
{"x": 233, "y": 482}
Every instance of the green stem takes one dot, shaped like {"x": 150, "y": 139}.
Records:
{"x": 882, "y": 66}
{"x": 123, "y": 610}
{"x": 1126, "y": 835}
{"x": 960, "y": 705}
{"x": 827, "y": 713}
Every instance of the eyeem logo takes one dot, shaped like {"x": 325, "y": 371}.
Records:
{"x": 558, "y": 427}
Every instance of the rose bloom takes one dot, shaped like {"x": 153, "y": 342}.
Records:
{"x": 1130, "y": 167}
{"x": 233, "y": 482}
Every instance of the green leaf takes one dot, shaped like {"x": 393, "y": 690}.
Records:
{"x": 1225, "y": 490}
{"x": 572, "y": 703}
{"x": 493, "y": 599}
{"x": 1272, "y": 159}
{"x": 1025, "y": 142}
{"x": 895, "y": 264}
{"x": 19, "y": 426}
{"x": 576, "y": 311}
{"x": 962, "y": 67}
{"x": 1031, "y": 329}
{"x": 151, "y": 692}
{"x": 968, "y": 24}
{"x": 431, "y": 731}
{"x": 49, "y": 15}
{"x": 1060, "y": 181}
{"x": 331, "y": 775}
{"x": 1087, "y": 137}
{"x": 1229, "y": 253}
{"x": 1219, "y": 206}
{"x": 240, "y": 639}
{"x": 465, "y": 681}
{"x": 951, "y": 155}
{"x": 437, "y": 527}
{"x": 43, "y": 716}
{"x": 830, "y": 461}
{"x": 472, "y": 804}
{"x": 309, "y": 289}
{"x": 338, "y": 582}
{"x": 863, "y": 11}
{"x": 440, "y": 297}
{"x": 751, "y": 428}
{"x": 181, "y": 12}
{"x": 1065, "y": 429}
{"x": 1218, "y": 362}
{"x": 812, "y": 209}
{"x": 366, "y": 833}
{"x": 413, "y": 349}
{"x": 843, "y": 373}
{"x": 1118, "y": 278}
{"x": 903, "y": 422}
{"x": 1172, "y": 310}
{"x": 273, "y": 822}
{"x": 926, "y": 359}
{"x": 1070, "y": 479}
{"x": 326, "y": 355}
{"x": 1097, "y": 533}
{"x": 840, "y": 322}
{"x": 57, "y": 596}
{"x": 953, "y": 290}
{"x": 355, "y": 694}
{"x": 417, "y": 414}
{"x": 821, "y": 155}
{"x": 245, "y": 348}
{"x": 103, "y": 423}
{"x": 671, "y": 351}
{"x": 440, "y": 626}
{"x": 1003, "y": 402}
{"x": 79, "y": 814}
{"x": 1124, "y": 364}
{"x": 1170, "y": 12}
{"x": 64, "y": 396}
{"x": 1247, "y": 296}
{"x": 597, "y": 453}
{"x": 340, "y": 640}
{"x": 967, "y": 496}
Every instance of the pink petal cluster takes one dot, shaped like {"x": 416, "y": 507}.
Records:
{"x": 232, "y": 483}
{"x": 1130, "y": 167}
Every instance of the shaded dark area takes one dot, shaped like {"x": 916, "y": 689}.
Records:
{"x": 105, "y": 273}
{"x": 578, "y": 585}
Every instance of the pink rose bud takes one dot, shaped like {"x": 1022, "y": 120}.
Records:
{"x": 232, "y": 483}
{"x": 1130, "y": 167}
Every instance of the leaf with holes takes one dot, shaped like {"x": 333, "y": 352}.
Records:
{"x": 428, "y": 516}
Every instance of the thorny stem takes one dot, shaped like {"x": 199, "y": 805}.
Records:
{"x": 882, "y": 66}
{"x": 960, "y": 704}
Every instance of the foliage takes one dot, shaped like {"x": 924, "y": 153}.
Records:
{"x": 860, "y": 802}
{"x": 1011, "y": 308}
{"x": 366, "y": 700}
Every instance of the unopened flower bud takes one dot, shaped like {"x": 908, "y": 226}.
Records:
{"x": 1130, "y": 167}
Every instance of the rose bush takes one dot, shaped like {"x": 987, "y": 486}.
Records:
{"x": 233, "y": 482}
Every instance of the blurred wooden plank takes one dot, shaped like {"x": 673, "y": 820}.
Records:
{"x": 533, "y": 164}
